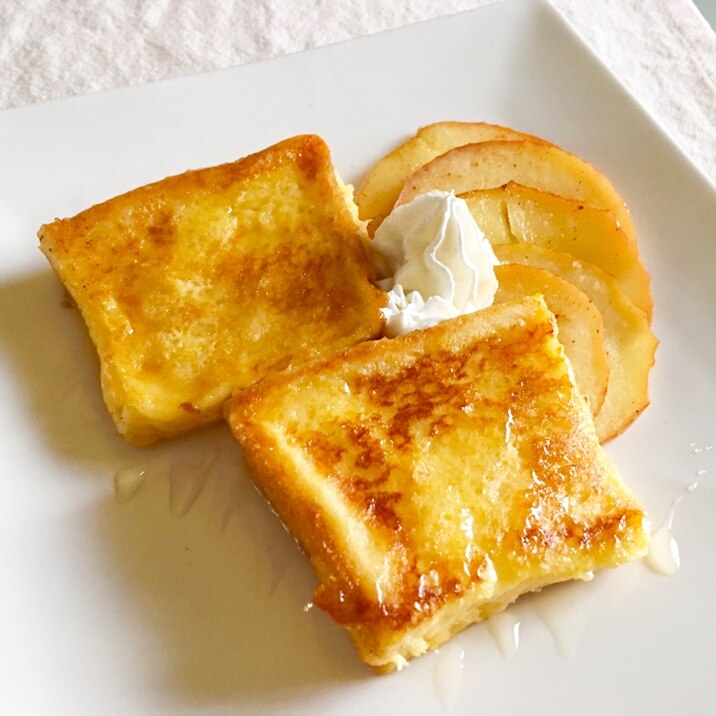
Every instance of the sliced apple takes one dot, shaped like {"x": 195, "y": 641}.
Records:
{"x": 519, "y": 214}
{"x": 580, "y": 324}
{"x": 489, "y": 209}
{"x": 532, "y": 163}
{"x": 381, "y": 186}
{"x": 628, "y": 340}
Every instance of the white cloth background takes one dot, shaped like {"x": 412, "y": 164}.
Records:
{"x": 663, "y": 50}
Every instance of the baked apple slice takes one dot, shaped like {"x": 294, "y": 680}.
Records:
{"x": 381, "y": 186}
{"x": 628, "y": 340}
{"x": 524, "y": 215}
{"x": 529, "y": 162}
{"x": 580, "y": 324}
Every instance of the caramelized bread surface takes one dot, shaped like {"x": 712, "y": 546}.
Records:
{"x": 200, "y": 284}
{"x": 434, "y": 478}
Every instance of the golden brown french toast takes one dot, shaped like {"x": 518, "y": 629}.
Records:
{"x": 200, "y": 284}
{"x": 435, "y": 477}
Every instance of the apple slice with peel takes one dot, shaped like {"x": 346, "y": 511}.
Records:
{"x": 381, "y": 186}
{"x": 524, "y": 215}
{"x": 579, "y": 322}
{"x": 628, "y": 340}
{"x": 532, "y": 163}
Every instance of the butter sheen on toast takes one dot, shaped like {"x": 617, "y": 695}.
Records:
{"x": 198, "y": 285}
{"x": 435, "y": 477}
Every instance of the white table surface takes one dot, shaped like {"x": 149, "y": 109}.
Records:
{"x": 663, "y": 50}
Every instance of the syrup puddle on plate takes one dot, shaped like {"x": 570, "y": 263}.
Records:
{"x": 225, "y": 501}
{"x": 448, "y": 672}
{"x": 128, "y": 480}
{"x": 186, "y": 481}
{"x": 565, "y": 610}
{"x": 663, "y": 555}
{"x": 449, "y": 664}
{"x": 505, "y": 630}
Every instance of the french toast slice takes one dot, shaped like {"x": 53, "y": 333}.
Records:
{"x": 200, "y": 284}
{"x": 435, "y": 477}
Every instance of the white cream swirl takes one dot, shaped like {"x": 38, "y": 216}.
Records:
{"x": 434, "y": 262}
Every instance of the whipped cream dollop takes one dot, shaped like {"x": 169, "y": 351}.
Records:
{"x": 433, "y": 261}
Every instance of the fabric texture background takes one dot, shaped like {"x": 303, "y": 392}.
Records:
{"x": 663, "y": 50}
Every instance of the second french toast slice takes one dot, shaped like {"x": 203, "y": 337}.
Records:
{"x": 435, "y": 477}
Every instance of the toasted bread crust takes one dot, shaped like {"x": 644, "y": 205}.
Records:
{"x": 199, "y": 284}
{"x": 435, "y": 477}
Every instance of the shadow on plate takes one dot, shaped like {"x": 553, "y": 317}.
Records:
{"x": 221, "y": 593}
{"x": 54, "y": 365}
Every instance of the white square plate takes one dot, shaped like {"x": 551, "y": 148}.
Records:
{"x": 136, "y": 608}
